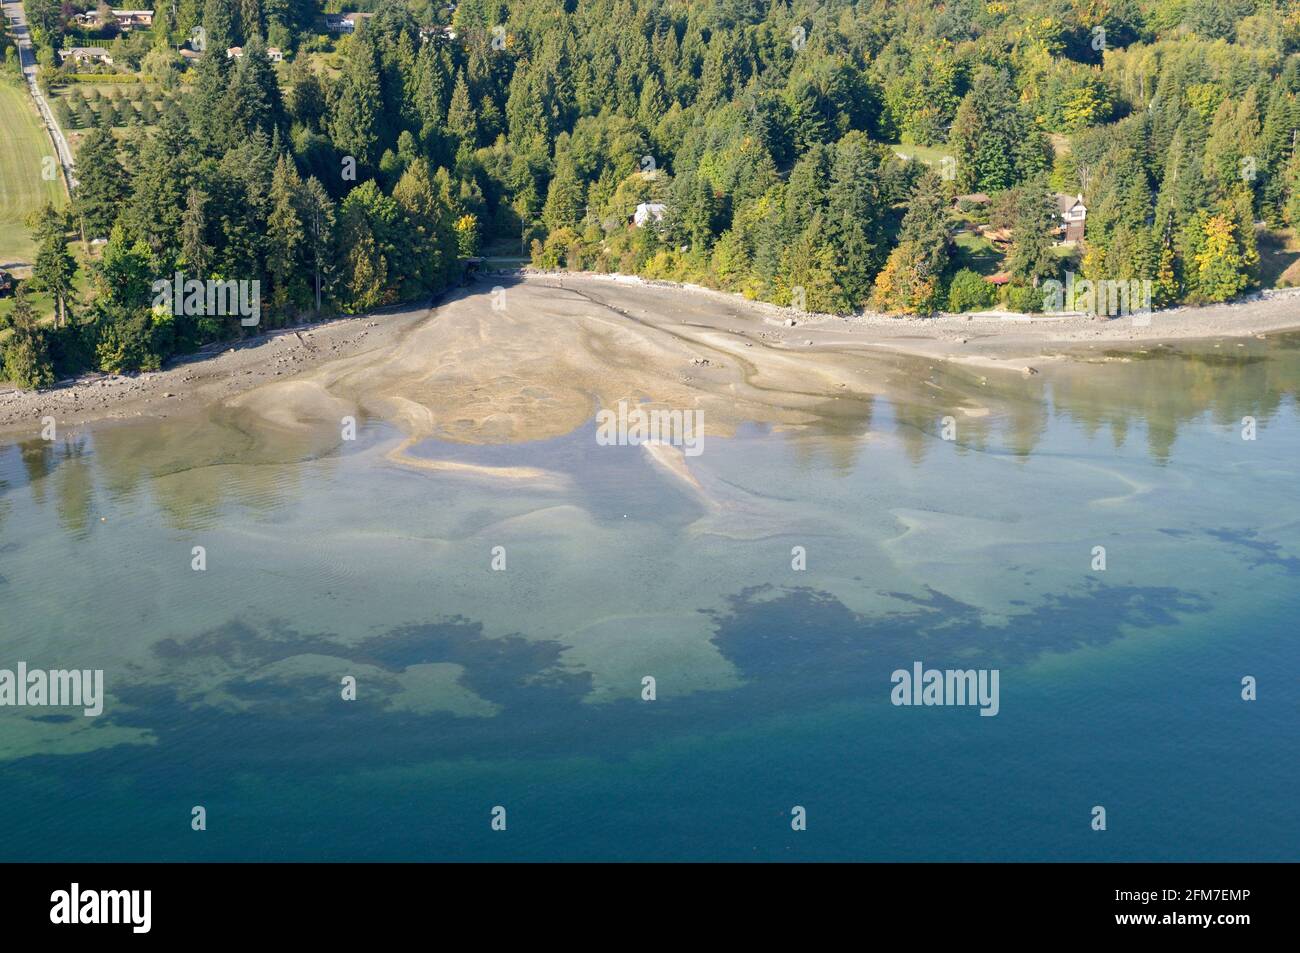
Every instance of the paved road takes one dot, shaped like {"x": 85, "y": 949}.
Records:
{"x": 27, "y": 56}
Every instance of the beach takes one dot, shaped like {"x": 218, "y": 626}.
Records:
{"x": 538, "y": 358}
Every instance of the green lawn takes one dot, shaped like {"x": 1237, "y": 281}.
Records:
{"x": 976, "y": 253}
{"x": 23, "y": 146}
{"x": 930, "y": 155}
{"x": 42, "y": 303}
{"x": 980, "y": 255}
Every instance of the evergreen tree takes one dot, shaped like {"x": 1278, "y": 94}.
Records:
{"x": 1031, "y": 258}
{"x": 285, "y": 231}
{"x": 196, "y": 253}
{"x": 54, "y": 267}
{"x": 317, "y": 211}
{"x": 27, "y": 354}
{"x": 810, "y": 265}
{"x": 1120, "y": 244}
{"x": 101, "y": 183}
{"x": 357, "y": 105}
{"x": 565, "y": 198}
{"x": 220, "y": 26}
{"x": 207, "y": 102}
{"x": 366, "y": 220}
{"x": 993, "y": 143}
{"x": 306, "y": 97}
{"x": 1291, "y": 209}
{"x": 123, "y": 277}
{"x": 250, "y": 20}
{"x": 1233, "y": 153}
{"x": 47, "y": 21}
{"x": 854, "y": 225}
{"x": 910, "y": 281}
{"x": 461, "y": 121}
{"x": 63, "y": 113}
{"x": 426, "y": 253}
{"x": 253, "y": 101}
{"x": 926, "y": 223}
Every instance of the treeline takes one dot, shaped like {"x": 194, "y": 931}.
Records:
{"x": 1208, "y": 148}
{"x": 232, "y": 184}
{"x": 1177, "y": 122}
{"x": 760, "y": 127}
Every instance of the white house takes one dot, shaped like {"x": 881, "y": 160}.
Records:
{"x": 648, "y": 212}
{"x": 87, "y": 54}
{"x": 125, "y": 19}
{"x": 129, "y": 18}
{"x": 1073, "y": 215}
{"x": 273, "y": 53}
{"x": 345, "y": 22}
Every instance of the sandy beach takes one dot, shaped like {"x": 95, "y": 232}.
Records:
{"x": 538, "y": 359}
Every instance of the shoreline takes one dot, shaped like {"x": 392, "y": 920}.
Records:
{"x": 214, "y": 373}
{"x": 1002, "y": 339}
{"x": 1014, "y": 344}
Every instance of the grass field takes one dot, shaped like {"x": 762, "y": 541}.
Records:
{"x": 22, "y": 189}
{"x": 976, "y": 253}
{"x": 42, "y": 303}
{"x": 930, "y": 155}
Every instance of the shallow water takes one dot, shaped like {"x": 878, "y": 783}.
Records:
{"x": 522, "y": 687}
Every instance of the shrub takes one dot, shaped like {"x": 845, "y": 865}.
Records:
{"x": 27, "y": 354}
{"x": 102, "y": 77}
{"x": 27, "y": 362}
{"x": 126, "y": 343}
{"x": 559, "y": 251}
{"x": 968, "y": 291}
{"x": 1022, "y": 298}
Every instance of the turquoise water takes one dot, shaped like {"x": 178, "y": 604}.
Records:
{"x": 522, "y": 687}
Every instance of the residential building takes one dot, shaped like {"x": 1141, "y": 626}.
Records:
{"x": 648, "y": 212}
{"x": 1073, "y": 215}
{"x": 87, "y": 54}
